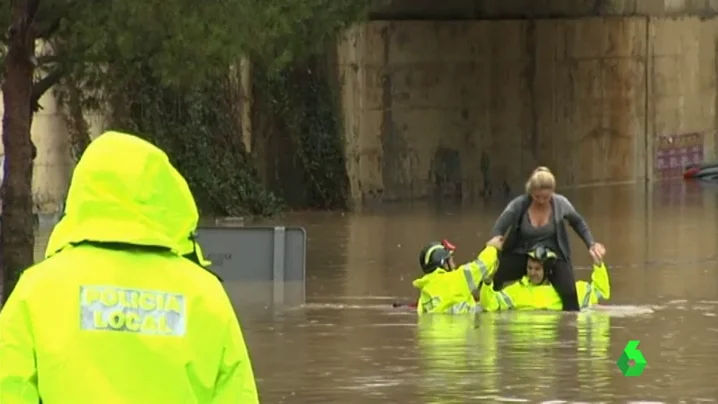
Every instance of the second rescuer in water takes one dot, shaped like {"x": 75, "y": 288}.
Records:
{"x": 534, "y": 290}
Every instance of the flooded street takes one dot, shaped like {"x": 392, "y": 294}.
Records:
{"x": 347, "y": 344}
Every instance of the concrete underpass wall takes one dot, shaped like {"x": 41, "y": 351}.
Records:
{"x": 469, "y": 108}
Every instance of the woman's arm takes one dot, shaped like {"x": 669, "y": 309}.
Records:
{"x": 509, "y": 216}
{"x": 576, "y": 221}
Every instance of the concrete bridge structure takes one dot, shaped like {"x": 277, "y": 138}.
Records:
{"x": 465, "y": 98}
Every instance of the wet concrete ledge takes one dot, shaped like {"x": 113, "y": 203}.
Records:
{"x": 523, "y": 9}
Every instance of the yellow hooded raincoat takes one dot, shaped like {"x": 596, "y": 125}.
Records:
{"x": 119, "y": 323}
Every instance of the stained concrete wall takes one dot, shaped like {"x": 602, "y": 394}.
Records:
{"x": 471, "y": 107}
{"x": 505, "y": 9}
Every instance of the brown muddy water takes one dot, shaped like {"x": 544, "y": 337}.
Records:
{"x": 347, "y": 344}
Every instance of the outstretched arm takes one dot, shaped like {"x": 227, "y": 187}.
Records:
{"x": 598, "y": 289}
{"x": 577, "y": 222}
{"x": 600, "y": 281}
{"x": 490, "y": 300}
{"x": 483, "y": 267}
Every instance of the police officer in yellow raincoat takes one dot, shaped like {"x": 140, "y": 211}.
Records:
{"x": 534, "y": 291}
{"x": 116, "y": 313}
{"x": 447, "y": 289}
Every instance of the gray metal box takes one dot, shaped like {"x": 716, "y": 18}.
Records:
{"x": 251, "y": 255}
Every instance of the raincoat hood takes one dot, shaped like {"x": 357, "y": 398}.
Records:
{"x": 125, "y": 190}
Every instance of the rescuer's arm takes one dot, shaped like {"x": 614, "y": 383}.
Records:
{"x": 484, "y": 266}
{"x": 18, "y": 372}
{"x": 488, "y": 297}
{"x": 600, "y": 281}
{"x": 504, "y": 299}
{"x": 489, "y": 300}
{"x": 235, "y": 380}
{"x": 590, "y": 293}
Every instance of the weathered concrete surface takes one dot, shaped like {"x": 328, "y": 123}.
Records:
{"x": 470, "y": 108}
{"x": 506, "y": 9}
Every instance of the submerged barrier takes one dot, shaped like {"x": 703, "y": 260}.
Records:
{"x": 258, "y": 257}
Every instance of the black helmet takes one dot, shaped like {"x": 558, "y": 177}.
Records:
{"x": 545, "y": 256}
{"x": 434, "y": 256}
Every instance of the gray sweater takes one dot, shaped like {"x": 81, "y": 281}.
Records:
{"x": 509, "y": 224}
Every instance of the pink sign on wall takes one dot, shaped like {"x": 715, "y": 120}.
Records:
{"x": 675, "y": 152}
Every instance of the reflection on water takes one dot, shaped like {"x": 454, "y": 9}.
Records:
{"x": 509, "y": 351}
{"x": 347, "y": 344}
{"x": 265, "y": 294}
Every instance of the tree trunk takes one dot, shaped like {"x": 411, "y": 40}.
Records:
{"x": 17, "y": 237}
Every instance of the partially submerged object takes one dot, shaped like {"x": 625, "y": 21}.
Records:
{"x": 259, "y": 257}
{"x": 705, "y": 171}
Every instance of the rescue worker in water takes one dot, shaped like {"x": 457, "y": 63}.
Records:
{"x": 444, "y": 288}
{"x": 122, "y": 309}
{"x": 534, "y": 291}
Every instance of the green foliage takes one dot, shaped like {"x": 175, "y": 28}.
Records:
{"x": 167, "y": 61}
{"x": 184, "y": 41}
{"x": 303, "y": 108}
{"x": 198, "y": 128}
{"x": 283, "y": 31}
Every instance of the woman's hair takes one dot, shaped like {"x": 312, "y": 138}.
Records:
{"x": 541, "y": 178}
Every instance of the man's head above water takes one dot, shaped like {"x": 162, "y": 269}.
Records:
{"x": 540, "y": 264}
{"x": 437, "y": 255}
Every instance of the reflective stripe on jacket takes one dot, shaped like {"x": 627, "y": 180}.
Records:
{"x": 523, "y": 295}
{"x": 452, "y": 292}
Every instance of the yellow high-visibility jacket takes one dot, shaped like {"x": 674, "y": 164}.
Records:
{"x": 523, "y": 295}
{"x": 115, "y": 314}
{"x": 453, "y": 291}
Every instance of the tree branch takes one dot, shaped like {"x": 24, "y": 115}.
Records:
{"x": 40, "y": 87}
{"x": 46, "y": 31}
{"x": 46, "y": 59}
{"x": 32, "y": 7}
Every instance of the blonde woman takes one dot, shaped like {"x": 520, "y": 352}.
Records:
{"x": 537, "y": 218}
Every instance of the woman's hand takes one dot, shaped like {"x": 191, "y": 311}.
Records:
{"x": 496, "y": 242}
{"x": 597, "y": 252}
